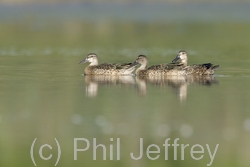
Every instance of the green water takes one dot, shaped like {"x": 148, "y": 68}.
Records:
{"x": 45, "y": 96}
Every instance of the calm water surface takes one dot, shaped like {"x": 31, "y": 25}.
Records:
{"x": 44, "y": 94}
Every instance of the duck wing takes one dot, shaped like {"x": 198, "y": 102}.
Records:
{"x": 106, "y": 66}
{"x": 206, "y": 66}
{"x": 174, "y": 66}
{"x": 157, "y": 67}
{"x": 201, "y": 69}
{"x": 169, "y": 66}
{"x": 123, "y": 65}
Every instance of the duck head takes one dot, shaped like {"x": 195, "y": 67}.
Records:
{"x": 91, "y": 58}
{"x": 182, "y": 56}
{"x": 142, "y": 60}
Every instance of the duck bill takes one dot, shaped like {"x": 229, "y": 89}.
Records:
{"x": 176, "y": 59}
{"x": 83, "y": 61}
{"x": 133, "y": 64}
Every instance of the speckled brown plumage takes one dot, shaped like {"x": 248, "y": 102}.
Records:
{"x": 106, "y": 68}
{"x": 195, "y": 69}
{"x": 156, "y": 70}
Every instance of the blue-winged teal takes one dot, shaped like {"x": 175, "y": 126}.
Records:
{"x": 195, "y": 69}
{"x": 106, "y": 68}
{"x": 156, "y": 70}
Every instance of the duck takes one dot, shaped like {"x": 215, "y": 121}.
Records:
{"x": 195, "y": 69}
{"x": 106, "y": 68}
{"x": 160, "y": 70}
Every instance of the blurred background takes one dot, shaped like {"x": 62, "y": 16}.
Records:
{"x": 45, "y": 96}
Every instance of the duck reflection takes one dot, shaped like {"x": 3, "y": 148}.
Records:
{"x": 206, "y": 80}
{"x": 178, "y": 83}
{"x": 92, "y": 82}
